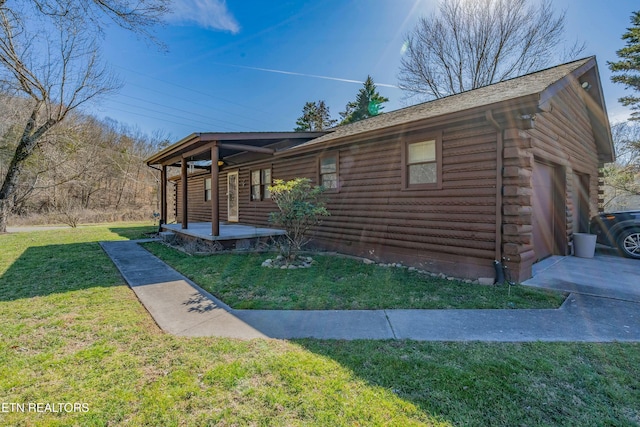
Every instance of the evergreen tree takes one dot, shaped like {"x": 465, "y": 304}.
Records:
{"x": 306, "y": 121}
{"x": 628, "y": 68}
{"x": 315, "y": 117}
{"x": 368, "y": 103}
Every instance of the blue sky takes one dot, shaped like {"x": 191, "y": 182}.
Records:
{"x": 250, "y": 65}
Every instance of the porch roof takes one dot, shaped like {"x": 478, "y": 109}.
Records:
{"x": 196, "y": 147}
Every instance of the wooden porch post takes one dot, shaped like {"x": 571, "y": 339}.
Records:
{"x": 183, "y": 183}
{"x": 163, "y": 195}
{"x": 215, "y": 206}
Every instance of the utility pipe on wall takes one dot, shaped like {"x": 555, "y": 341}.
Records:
{"x": 499, "y": 164}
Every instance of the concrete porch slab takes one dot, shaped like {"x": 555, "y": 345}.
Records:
{"x": 228, "y": 231}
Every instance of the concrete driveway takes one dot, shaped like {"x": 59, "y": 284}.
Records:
{"x": 605, "y": 275}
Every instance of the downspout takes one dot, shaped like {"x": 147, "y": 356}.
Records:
{"x": 163, "y": 195}
{"x": 499, "y": 165}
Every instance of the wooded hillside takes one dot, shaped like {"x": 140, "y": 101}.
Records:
{"x": 86, "y": 170}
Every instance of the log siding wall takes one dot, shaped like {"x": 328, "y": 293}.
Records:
{"x": 451, "y": 229}
{"x": 199, "y": 209}
{"x": 564, "y": 138}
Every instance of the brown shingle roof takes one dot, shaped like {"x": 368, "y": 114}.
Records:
{"x": 518, "y": 87}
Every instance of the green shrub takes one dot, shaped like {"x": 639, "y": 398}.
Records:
{"x": 300, "y": 207}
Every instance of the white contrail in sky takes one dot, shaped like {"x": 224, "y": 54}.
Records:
{"x": 292, "y": 73}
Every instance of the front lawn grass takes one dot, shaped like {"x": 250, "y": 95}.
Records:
{"x": 72, "y": 332}
{"x": 338, "y": 283}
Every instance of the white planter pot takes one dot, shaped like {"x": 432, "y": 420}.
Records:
{"x": 584, "y": 245}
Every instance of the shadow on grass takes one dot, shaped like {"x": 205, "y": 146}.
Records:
{"x": 135, "y": 232}
{"x": 42, "y": 263}
{"x": 50, "y": 269}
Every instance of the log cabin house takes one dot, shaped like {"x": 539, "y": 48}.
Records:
{"x": 505, "y": 172}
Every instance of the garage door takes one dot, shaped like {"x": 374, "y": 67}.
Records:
{"x": 543, "y": 210}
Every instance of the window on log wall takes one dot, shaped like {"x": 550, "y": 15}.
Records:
{"x": 422, "y": 163}
{"x": 207, "y": 189}
{"x": 329, "y": 172}
{"x": 260, "y": 182}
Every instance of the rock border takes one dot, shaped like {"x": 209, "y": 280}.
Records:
{"x": 287, "y": 264}
{"x": 485, "y": 281}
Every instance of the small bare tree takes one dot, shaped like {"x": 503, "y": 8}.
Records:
{"x": 471, "y": 44}
{"x": 49, "y": 54}
{"x": 622, "y": 178}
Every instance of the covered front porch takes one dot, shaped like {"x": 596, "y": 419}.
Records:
{"x": 213, "y": 153}
{"x": 227, "y": 231}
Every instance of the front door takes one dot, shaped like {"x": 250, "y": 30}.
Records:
{"x": 232, "y": 196}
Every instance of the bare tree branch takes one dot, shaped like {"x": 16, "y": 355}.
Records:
{"x": 622, "y": 178}
{"x": 470, "y": 44}
{"x": 49, "y": 52}
{"x": 137, "y": 16}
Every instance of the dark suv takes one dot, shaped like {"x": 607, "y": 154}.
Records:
{"x": 621, "y": 229}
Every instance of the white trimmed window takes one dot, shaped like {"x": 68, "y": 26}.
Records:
{"x": 422, "y": 165}
{"x": 329, "y": 172}
{"x": 260, "y": 182}
{"x": 207, "y": 189}
{"x": 265, "y": 176}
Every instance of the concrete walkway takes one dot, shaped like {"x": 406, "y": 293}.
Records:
{"x": 605, "y": 275}
{"x": 180, "y": 307}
